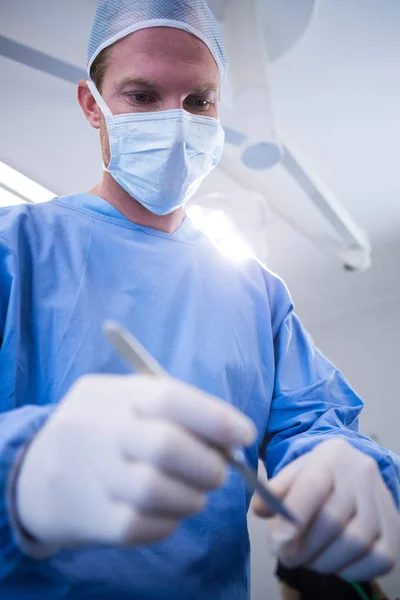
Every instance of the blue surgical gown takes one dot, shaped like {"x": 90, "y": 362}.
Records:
{"x": 65, "y": 267}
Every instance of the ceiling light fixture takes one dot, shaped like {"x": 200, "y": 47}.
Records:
{"x": 16, "y": 184}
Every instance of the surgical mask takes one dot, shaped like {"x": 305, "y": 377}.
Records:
{"x": 161, "y": 158}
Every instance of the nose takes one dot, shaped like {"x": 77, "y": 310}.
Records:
{"x": 173, "y": 102}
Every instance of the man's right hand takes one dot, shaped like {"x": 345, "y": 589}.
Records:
{"x": 123, "y": 459}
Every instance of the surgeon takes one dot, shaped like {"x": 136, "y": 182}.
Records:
{"x": 114, "y": 485}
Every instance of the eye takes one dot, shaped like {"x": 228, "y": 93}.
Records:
{"x": 199, "y": 103}
{"x": 141, "y": 97}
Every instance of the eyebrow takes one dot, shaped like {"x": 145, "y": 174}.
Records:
{"x": 206, "y": 87}
{"x": 142, "y": 81}
{"x": 135, "y": 81}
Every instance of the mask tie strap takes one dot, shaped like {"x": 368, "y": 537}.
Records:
{"x": 109, "y": 121}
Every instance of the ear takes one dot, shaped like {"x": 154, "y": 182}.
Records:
{"x": 88, "y": 104}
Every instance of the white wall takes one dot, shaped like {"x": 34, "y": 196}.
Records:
{"x": 365, "y": 345}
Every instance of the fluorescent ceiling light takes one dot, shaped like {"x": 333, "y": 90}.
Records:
{"x": 219, "y": 228}
{"x": 9, "y": 199}
{"x": 23, "y": 186}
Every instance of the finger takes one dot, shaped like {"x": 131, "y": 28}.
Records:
{"x": 378, "y": 562}
{"x": 151, "y": 492}
{"x": 206, "y": 416}
{"x": 308, "y": 491}
{"x": 260, "y": 508}
{"x": 174, "y": 450}
{"x": 354, "y": 544}
{"x": 389, "y": 517}
{"x": 373, "y": 522}
{"x": 357, "y": 538}
{"x": 279, "y": 486}
{"x": 327, "y": 526}
{"x": 384, "y": 554}
{"x": 135, "y": 527}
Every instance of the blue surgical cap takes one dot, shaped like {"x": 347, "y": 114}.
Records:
{"x": 115, "y": 19}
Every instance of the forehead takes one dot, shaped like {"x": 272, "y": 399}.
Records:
{"x": 166, "y": 50}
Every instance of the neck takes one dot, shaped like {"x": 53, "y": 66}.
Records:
{"x": 112, "y": 192}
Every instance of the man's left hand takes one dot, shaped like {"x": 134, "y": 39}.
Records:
{"x": 349, "y": 524}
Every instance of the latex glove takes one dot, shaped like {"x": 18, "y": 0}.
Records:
{"x": 349, "y": 523}
{"x": 123, "y": 459}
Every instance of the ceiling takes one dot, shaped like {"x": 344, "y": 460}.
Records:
{"x": 336, "y": 97}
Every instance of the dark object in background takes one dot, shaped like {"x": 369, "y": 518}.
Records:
{"x": 313, "y": 586}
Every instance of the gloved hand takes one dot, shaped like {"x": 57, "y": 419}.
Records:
{"x": 349, "y": 523}
{"x": 123, "y": 459}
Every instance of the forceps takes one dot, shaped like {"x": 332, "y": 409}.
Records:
{"x": 143, "y": 363}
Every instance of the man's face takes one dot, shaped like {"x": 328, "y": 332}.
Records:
{"x": 159, "y": 69}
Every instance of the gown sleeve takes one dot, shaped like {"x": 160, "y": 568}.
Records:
{"x": 312, "y": 401}
{"x": 18, "y": 424}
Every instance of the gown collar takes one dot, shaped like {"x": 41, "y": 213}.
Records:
{"x": 96, "y": 205}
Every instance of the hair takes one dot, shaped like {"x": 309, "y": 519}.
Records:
{"x": 99, "y": 67}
